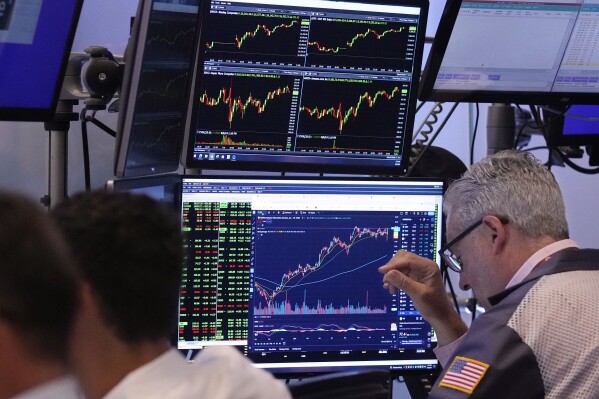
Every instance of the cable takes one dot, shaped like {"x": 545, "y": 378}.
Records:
{"x": 419, "y": 106}
{"x": 520, "y": 131}
{"x": 474, "y": 135}
{"x": 417, "y": 149}
{"x": 541, "y": 147}
{"x": 522, "y": 127}
{"x": 99, "y": 124}
{"x": 571, "y": 164}
{"x": 436, "y": 110}
{"x": 85, "y": 143}
{"x": 84, "y": 118}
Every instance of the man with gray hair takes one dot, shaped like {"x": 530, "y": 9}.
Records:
{"x": 508, "y": 240}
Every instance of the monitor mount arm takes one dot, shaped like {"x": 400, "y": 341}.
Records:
{"x": 101, "y": 79}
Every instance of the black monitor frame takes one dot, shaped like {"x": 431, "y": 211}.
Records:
{"x": 428, "y": 92}
{"x": 26, "y": 70}
{"x": 215, "y": 156}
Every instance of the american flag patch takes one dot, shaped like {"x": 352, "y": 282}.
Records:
{"x": 464, "y": 374}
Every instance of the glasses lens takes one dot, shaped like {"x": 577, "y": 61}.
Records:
{"x": 452, "y": 262}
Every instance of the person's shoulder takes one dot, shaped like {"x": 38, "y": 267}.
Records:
{"x": 232, "y": 375}
{"x": 219, "y": 353}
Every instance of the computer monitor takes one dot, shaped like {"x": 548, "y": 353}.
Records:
{"x": 578, "y": 125}
{"x": 35, "y": 44}
{"x": 287, "y": 270}
{"x": 155, "y": 88}
{"x": 530, "y": 51}
{"x": 314, "y": 86}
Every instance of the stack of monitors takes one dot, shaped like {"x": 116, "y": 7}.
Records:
{"x": 287, "y": 270}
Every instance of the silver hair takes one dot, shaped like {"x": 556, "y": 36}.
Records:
{"x": 512, "y": 184}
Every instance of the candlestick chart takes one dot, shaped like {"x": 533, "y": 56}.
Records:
{"x": 245, "y": 112}
{"x": 252, "y": 37}
{"x": 361, "y": 44}
{"x": 348, "y": 116}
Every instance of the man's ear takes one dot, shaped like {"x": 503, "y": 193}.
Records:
{"x": 497, "y": 232}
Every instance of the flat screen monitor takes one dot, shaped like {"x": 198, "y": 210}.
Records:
{"x": 530, "y": 51}
{"x": 314, "y": 86}
{"x": 287, "y": 270}
{"x": 155, "y": 89}
{"x": 579, "y": 125}
{"x": 35, "y": 44}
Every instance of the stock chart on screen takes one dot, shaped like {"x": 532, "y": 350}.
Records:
{"x": 317, "y": 84}
{"x": 288, "y": 269}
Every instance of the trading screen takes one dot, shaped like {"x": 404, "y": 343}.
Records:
{"x": 321, "y": 82}
{"x": 288, "y": 269}
{"x": 484, "y": 54}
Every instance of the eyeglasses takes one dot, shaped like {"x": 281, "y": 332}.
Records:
{"x": 452, "y": 261}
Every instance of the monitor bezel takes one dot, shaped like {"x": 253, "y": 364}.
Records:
{"x": 303, "y": 163}
{"x": 428, "y": 92}
{"x": 47, "y": 114}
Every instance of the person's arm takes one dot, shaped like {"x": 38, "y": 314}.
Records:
{"x": 421, "y": 280}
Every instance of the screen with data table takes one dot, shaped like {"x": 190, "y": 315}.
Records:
{"x": 528, "y": 51}
{"x": 313, "y": 86}
{"x": 287, "y": 270}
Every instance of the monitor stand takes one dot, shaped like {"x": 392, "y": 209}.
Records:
{"x": 58, "y": 130}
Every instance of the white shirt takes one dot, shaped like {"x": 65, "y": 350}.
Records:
{"x": 63, "y": 388}
{"x": 216, "y": 373}
{"x": 444, "y": 352}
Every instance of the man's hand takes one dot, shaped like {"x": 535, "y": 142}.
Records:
{"x": 421, "y": 280}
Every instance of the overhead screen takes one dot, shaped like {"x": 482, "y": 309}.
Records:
{"x": 531, "y": 51}
{"x": 287, "y": 269}
{"x": 316, "y": 86}
{"x": 35, "y": 44}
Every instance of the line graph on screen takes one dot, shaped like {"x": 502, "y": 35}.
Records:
{"x": 318, "y": 270}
